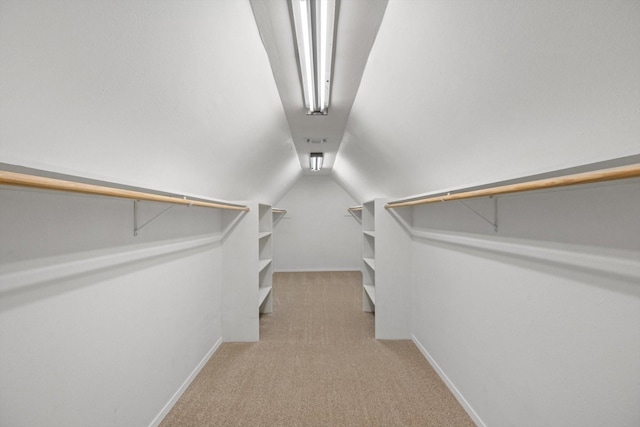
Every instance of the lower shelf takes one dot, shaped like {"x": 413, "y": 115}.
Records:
{"x": 263, "y": 263}
{"x": 371, "y": 291}
{"x": 371, "y": 262}
{"x": 263, "y": 293}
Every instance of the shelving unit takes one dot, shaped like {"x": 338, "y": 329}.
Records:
{"x": 247, "y": 272}
{"x": 368, "y": 257}
{"x": 265, "y": 258}
{"x": 386, "y": 270}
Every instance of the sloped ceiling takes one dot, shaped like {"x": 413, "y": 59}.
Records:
{"x": 169, "y": 95}
{"x": 459, "y": 93}
{"x": 356, "y": 28}
{"x": 180, "y": 95}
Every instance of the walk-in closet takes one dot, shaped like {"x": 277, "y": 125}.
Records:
{"x": 319, "y": 213}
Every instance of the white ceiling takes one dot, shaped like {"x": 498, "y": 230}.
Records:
{"x": 357, "y": 25}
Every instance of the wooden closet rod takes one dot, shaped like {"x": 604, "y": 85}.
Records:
{"x": 622, "y": 172}
{"x": 279, "y": 211}
{"x": 23, "y": 180}
{"x": 355, "y": 209}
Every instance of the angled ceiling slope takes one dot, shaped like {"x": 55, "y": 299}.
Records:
{"x": 173, "y": 96}
{"x": 459, "y": 94}
{"x": 356, "y": 28}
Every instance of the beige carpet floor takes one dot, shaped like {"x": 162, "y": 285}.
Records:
{"x": 317, "y": 364}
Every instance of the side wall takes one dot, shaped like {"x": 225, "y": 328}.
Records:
{"x": 98, "y": 327}
{"x": 317, "y": 233}
{"x": 536, "y": 324}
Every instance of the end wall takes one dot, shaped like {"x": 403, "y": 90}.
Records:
{"x": 317, "y": 233}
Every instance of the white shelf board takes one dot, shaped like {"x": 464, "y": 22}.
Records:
{"x": 370, "y": 233}
{"x": 264, "y": 234}
{"x": 370, "y": 262}
{"x": 263, "y": 293}
{"x": 371, "y": 291}
{"x": 263, "y": 263}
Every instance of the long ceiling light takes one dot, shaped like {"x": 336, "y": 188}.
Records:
{"x": 314, "y": 24}
{"x": 315, "y": 161}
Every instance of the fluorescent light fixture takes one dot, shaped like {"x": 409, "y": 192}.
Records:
{"x": 315, "y": 161}
{"x": 314, "y": 22}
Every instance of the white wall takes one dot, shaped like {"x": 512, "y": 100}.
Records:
{"x": 98, "y": 327}
{"x": 536, "y": 324}
{"x": 317, "y": 233}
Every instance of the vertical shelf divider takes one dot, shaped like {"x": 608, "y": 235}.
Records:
{"x": 386, "y": 271}
{"x": 368, "y": 257}
{"x": 265, "y": 259}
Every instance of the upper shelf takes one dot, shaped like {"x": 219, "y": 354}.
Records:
{"x": 24, "y": 180}
{"x": 263, "y": 263}
{"x": 623, "y": 172}
{"x": 371, "y": 262}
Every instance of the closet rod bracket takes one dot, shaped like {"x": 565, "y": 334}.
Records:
{"x": 494, "y": 223}
{"x": 353, "y": 214}
{"x": 137, "y": 227}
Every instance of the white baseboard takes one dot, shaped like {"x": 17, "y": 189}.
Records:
{"x": 311, "y": 270}
{"x": 174, "y": 399}
{"x": 459, "y": 397}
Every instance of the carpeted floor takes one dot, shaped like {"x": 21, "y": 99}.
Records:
{"x": 317, "y": 364}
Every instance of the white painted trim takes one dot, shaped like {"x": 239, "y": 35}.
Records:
{"x": 311, "y": 270}
{"x": 174, "y": 399}
{"x": 61, "y": 267}
{"x": 616, "y": 263}
{"x": 454, "y": 390}
{"x": 628, "y": 158}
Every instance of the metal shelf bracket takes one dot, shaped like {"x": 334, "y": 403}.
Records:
{"x": 494, "y": 223}
{"x": 137, "y": 227}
